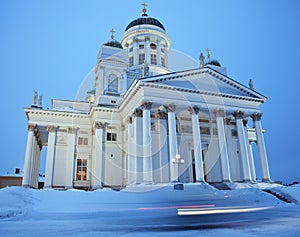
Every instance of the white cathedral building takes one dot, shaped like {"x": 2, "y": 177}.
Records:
{"x": 145, "y": 124}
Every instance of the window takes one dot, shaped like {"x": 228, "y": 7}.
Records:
{"x": 162, "y": 50}
{"x": 131, "y": 61}
{"x": 131, "y": 49}
{"x": 81, "y": 169}
{"x": 141, "y": 46}
{"x": 204, "y": 130}
{"x": 215, "y": 131}
{"x": 153, "y": 46}
{"x": 111, "y": 137}
{"x": 141, "y": 58}
{"x": 112, "y": 83}
{"x": 83, "y": 141}
{"x": 153, "y": 59}
{"x": 163, "y": 62}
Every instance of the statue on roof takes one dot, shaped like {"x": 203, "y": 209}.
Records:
{"x": 251, "y": 85}
{"x": 202, "y": 58}
{"x": 34, "y": 99}
{"x": 40, "y": 101}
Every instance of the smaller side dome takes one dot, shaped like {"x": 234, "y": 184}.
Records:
{"x": 211, "y": 61}
{"x": 114, "y": 43}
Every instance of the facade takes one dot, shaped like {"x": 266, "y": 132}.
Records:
{"x": 143, "y": 123}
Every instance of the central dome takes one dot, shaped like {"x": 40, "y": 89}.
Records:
{"x": 145, "y": 20}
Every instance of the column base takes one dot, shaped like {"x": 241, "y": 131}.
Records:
{"x": 95, "y": 187}
{"x": 266, "y": 181}
{"x": 68, "y": 187}
{"x": 246, "y": 181}
{"x": 26, "y": 186}
{"x": 226, "y": 181}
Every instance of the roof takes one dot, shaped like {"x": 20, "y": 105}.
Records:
{"x": 145, "y": 21}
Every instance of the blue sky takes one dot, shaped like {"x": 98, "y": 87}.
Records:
{"x": 50, "y": 46}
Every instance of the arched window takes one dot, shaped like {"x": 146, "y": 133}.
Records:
{"x": 153, "y": 46}
{"x": 112, "y": 83}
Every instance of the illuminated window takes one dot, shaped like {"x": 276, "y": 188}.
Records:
{"x": 111, "y": 137}
{"x": 81, "y": 169}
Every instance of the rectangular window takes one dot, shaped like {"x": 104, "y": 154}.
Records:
{"x": 111, "y": 137}
{"x": 141, "y": 46}
{"x": 163, "y": 63}
{"x": 81, "y": 169}
{"x": 131, "y": 61}
{"x": 141, "y": 58}
{"x": 204, "y": 130}
{"x": 83, "y": 141}
{"x": 153, "y": 59}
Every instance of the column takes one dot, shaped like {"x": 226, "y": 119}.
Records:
{"x": 197, "y": 144}
{"x": 147, "y": 50}
{"x": 147, "y": 143}
{"x": 33, "y": 161}
{"x": 135, "y": 52}
{"x": 223, "y": 146}
{"x": 70, "y": 158}
{"x": 162, "y": 130}
{"x": 264, "y": 166}
{"x": 138, "y": 140}
{"x": 28, "y": 156}
{"x": 97, "y": 164}
{"x": 52, "y": 130}
{"x": 251, "y": 162}
{"x": 38, "y": 155}
{"x": 130, "y": 153}
{"x": 173, "y": 149}
{"x": 238, "y": 115}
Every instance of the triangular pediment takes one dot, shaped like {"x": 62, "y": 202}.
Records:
{"x": 205, "y": 79}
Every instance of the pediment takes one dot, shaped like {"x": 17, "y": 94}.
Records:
{"x": 205, "y": 79}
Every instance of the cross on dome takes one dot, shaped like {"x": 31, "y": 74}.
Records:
{"x": 112, "y": 33}
{"x": 208, "y": 52}
{"x": 144, "y": 9}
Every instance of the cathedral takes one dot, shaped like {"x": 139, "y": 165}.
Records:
{"x": 143, "y": 123}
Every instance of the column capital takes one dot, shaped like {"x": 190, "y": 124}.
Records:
{"x": 72, "y": 130}
{"x": 194, "y": 110}
{"x": 256, "y": 116}
{"x": 219, "y": 112}
{"x": 99, "y": 125}
{"x": 238, "y": 114}
{"x": 160, "y": 114}
{"x": 51, "y": 128}
{"x": 129, "y": 120}
{"x": 138, "y": 113}
{"x": 146, "y": 105}
{"x": 170, "y": 107}
{"x": 31, "y": 127}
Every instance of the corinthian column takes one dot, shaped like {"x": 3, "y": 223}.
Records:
{"x": 70, "y": 157}
{"x": 173, "y": 149}
{"x": 138, "y": 140}
{"x": 28, "y": 157}
{"x": 226, "y": 177}
{"x": 50, "y": 156}
{"x": 98, "y": 159}
{"x": 264, "y": 166}
{"x": 197, "y": 144}
{"x": 147, "y": 143}
{"x": 243, "y": 145}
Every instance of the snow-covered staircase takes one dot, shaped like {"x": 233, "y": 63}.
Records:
{"x": 278, "y": 195}
{"x": 220, "y": 186}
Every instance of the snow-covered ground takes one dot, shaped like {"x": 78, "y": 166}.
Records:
{"x": 198, "y": 210}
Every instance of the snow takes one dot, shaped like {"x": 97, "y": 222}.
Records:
{"x": 151, "y": 210}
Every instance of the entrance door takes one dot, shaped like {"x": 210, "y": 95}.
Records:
{"x": 193, "y": 166}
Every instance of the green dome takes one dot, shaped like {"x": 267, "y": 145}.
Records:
{"x": 114, "y": 43}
